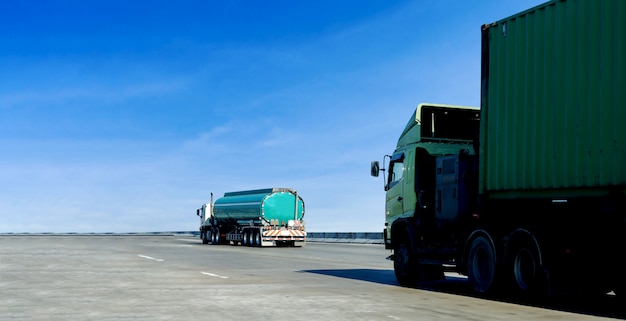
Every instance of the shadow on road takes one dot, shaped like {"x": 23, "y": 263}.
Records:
{"x": 456, "y": 285}
{"x": 602, "y": 306}
{"x": 369, "y": 275}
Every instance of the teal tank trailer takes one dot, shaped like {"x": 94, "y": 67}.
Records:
{"x": 262, "y": 217}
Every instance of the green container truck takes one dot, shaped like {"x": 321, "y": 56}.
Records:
{"x": 272, "y": 216}
{"x": 527, "y": 193}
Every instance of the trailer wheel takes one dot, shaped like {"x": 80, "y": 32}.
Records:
{"x": 252, "y": 237}
{"x": 481, "y": 265}
{"x": 246, "y": 237}
{"x": 257, "y": 238}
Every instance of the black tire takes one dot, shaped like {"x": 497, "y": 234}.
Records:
{"x": 246, "y": 237}
{"x": 258, "y": 238}
{"x": 481, "y": 265}
{"x": 209, "y": 236}
{"x": 405, "y": 263}
{"x": 204, "y": 238}
{"x": 527, "y": 274}
{"x": 215, "y": 236}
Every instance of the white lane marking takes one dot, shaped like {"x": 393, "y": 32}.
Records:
{"x": 215, "y": 275}
{"x": 150, "y": 258}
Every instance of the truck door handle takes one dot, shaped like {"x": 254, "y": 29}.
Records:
{"x": 400, "y": 198}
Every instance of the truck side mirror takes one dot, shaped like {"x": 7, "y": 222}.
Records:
{"x": 375, "y": 169}
{"x": 198, "y": 212}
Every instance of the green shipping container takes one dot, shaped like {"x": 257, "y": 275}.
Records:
{"x": 553, "y": 101}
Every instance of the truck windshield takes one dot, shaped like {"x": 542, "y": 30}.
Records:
{"x": 449, "y": 123}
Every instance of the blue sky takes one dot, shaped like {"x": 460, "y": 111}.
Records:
{"x": 123, "y": 116}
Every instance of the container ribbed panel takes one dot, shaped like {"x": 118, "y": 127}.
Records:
{"x": 554, "y": 105}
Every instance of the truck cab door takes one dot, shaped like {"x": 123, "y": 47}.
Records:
{"x": 394, "y": 205}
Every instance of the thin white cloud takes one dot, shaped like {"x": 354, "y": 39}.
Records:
{"x": 98, "y": 93}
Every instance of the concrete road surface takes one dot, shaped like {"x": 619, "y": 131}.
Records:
{"x": 112, "y": 277}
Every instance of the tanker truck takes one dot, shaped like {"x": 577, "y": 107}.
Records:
{"x": 525, "y": 195}
{"x": 263, "y": 217}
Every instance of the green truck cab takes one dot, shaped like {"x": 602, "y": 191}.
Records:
{"x": 434, "y": 130}
{"x": 424, "y": 189}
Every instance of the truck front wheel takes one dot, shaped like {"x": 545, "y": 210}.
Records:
{"x": 481, "y": 265}
{"x": 405, "y": 263}
{"x": 205, "y": 237}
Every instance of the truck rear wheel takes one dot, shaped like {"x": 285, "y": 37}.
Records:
{"x": 481, "y": 265}
{"x": 528, "y": 277}
{"x": 215, "y": 237}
